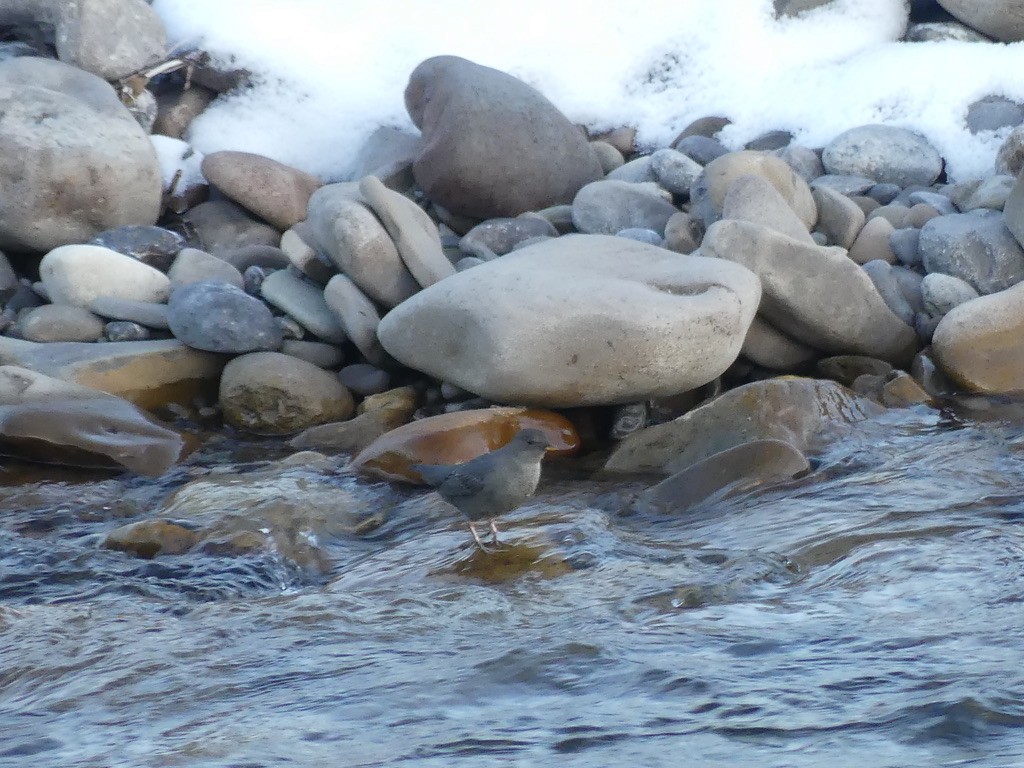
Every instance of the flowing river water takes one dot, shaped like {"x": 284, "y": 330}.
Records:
{"x": 867, "y": 615}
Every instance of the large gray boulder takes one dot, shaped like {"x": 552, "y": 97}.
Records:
{"x": 578, "y": 320}
{"x": 493, "y": 145}
{"x": 885, "y": 153}
{"x": 73, "y": 160}
{"x": 999, "y": 19}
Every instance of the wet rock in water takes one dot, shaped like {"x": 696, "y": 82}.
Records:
{"x": 78, "y": 274}
{"x": 976, "y": 247}
{"x": 147, "y": 313}
{"x": 67, "y": 184}
{"x": 222, "y": 226}
{"x": 149, "y": 538}
{"x": 147, "y": 373}
{"x": 737, "y": 469}
{"x": 492, "y": 145}
{"x": 885, "y": 153}
{"x": 357, "y": 316}
{"x": 275, "y": 192}
{"x": 356, "y": 241}
{"x": 195, "y": 266}
{"x": 707, "y": 194}
{"x": 303, "y": 301}
{"x": 274, "y": 394}
{"x": 608, "y": 206}
{"x": 154, "y": 246}
{"x": 453, "y": 438}
{"x": 770, "y": 348}
{"x": 512, "y": 561}
{"x": 980, "y": 344}
{"x": 801, "y": 412}
{"x": 634, "y": 321}
{"x": 217, "y": 317}
{"x": 414, "y": 233}
{"x": 999, "y": 19}
{"x": 357, "y": 433}
{"x": 496, "y": 237}
{"x": 56, "y": 422}
{"x": 814, "y": 294}
{"x": 60, "y": 322}
{"x": 848, "y": 368}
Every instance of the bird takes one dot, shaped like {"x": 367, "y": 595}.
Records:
{"x": 492, "y": 484}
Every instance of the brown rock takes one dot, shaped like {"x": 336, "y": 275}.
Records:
{"x": 275, "y": 192}
{"x": 149, "y": 538}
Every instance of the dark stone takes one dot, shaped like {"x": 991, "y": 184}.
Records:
{"x": 218, "y": 317}
{"x": 154, "y": 246}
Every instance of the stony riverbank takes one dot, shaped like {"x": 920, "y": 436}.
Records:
{"x": 503, "y": 256}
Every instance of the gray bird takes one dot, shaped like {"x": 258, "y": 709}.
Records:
{"x": 491, "y": 484}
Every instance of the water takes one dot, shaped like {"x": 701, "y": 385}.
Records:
{"x": 869, "y": 615}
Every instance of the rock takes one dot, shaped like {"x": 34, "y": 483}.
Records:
{"x": 64, "y": 184}
{"x": 1010, "y": 157}
{"x": 708, "y": 193}
{"x": 636, "y": 171}
{"x": 364, "y": 379}
{"x": 492, "y": 145}
{"x": 56, "y": 422}
{"x": 674, "y": 171}
{"x": 848, "y": 368}
{"x": 901, "y": 391}
{"x": 839, "y": 217}
{"x": 60, "y": 322}
{"x": 641, "y": 235}
{"x": 356, "y": 314}
{"x": 122, "y": 330}
{"x": 606, "y": 207}
{"x": 753, "y": 199}
{"x": 304, "y": 256}
{"x": 701, "y": 149}
{"x": 78, "y": 274}
{"x": 884, "y": 277}
{"x": 884, "y": 153}
{"x": 683, "y": 233}
{"x": 414, "y": 232}
{"x": 359, "y": 245}
{"x": 872, "y": 243}
{"x": 177, "y": 109}
{"x": 920, "y": 214}
{"x": 1013, "y": 211}
{"x": 726, "y": 473}
{"x": 770, "y": 140}
{"x": 153, "y": 246}
{"x": 905, "y": 245}
{"x": 319, "y": 354}
{"x": 986, "y": 193}
{"x": 894, "y": 213}
{"x": 150, "y": 374}
{"x": 496, "y": 237}
{"x": 883, "y": 194}
{"x": 354, "y": 435}
{"x": 388, "y": 154}
{"x": 980, "y": 344}
{"x": 303, "y": 301}
{"x": 271, "y": 393}
{"x": 195, "y": 266}
{"x": 999, "y": 19}
{"x": 149, "y": 538}
{"x": 454, "y": 438}
{"x": 770, "y": 348}
{"x": 942, "y": 204}
{"x": 109, "y": 38}
{"x": 623, "y": 138}
{"x": 941, "y": 293}
{"x": 939, "y": 31}
{"x": 708, "y": 126}
{"x": 402, "y": 398}
{"x": 145, "y": 313}
{"x": 222, "y": 226}
{"x": 634, "y": 321}
{"x": 976, "y": 247}
{"x": 275, "y": 192}
{"x": 218, "y": 317}
{"x": 802, "y": 412}
{"x": 268, "y": 257}
{"x": 845, "y": 184}
{"x": 608, "y": 156}
{"x": 816, "y": 295}
{"x": 804, "y": 160}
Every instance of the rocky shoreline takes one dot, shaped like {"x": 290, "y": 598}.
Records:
{"x": 500, "y": 269}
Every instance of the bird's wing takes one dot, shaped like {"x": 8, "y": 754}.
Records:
{"x": 461, "y": 484}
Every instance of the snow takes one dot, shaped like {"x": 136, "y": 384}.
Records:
{"x": 327, "y": 72}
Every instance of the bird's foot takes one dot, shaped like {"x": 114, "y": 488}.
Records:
{"x": 494, "y": 532}
{"x": 480, "y": 543}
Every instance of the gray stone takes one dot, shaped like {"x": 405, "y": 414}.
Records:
{"x": 222, "y": 226}
{"x": 873, "y": 242}
{"x": 319, "y": 354}
{"x": 938, "y": 31}
{"x": 462, "y": 108}
{"x": 976, "y": 247}
{"x": 641, "y": 235}
{"x": 496, "y": 237}
{"x": 770, "y": 348}
{"x": 815, "y": 295}
{"x": 77, "y": 274}
{"x": 606, "y": 207}
{"x": 884, "y": 193}
{"x": 192, "y": 265}
{"x": 888, "y": 286}
{"x": 636, "y": 171}
{"x": 839, "y": 217}
{"x": 848, "y": 368}
{"x": 634, "y": 321}
{"x": 60, "y": 322}
{"x": 305, "y": 258}
{"x": 683, "y": 233}
{"x": 991, "y": 113}
{"x": 1013, "y": 211}
{"x": 984, "y": 193}
{"x": 364, "y": 379}
{"x": 939, "y": 202}
{"x": 845, "y": 184}
{"x": 359, "y": 245}
{"x": 941, "y": 293}
{"x": 145, "y": 313}
{"x": 267, "y": 256}
{"x": 709, "y": 126}
{"x": 1010, "y": 157}
{"x": 63, "y": 184}
{"x": 356, "y": 314}
{"x": 904, "y": 244}
{"x": 304, "y": 302}
{"x": 769, "y": 141}
{"x": 896, "y": 214}
{"x": 804, "y": 160}
{"x": 701, "y": 149}
{"x": 154, "y": 246}
{"x": 388, "y": 154}
{"x": 674, "y": 171}
{"x": 999, "y": 19}
{"x": 884, "y": 153}
{"x": 124, "y": 330}
{"x": 218, "y": 317}
{"x": 609, "y": 157}
{"x": 753, "y": 199}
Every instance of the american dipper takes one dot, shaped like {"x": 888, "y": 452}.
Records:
{"x": 492, "y": 484}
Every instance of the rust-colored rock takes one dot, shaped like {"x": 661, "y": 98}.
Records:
{"x": 453, "y": 438}
{"x": 149, "y": 538}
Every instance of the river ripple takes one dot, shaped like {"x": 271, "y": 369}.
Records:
{"x": 868, "y": 615}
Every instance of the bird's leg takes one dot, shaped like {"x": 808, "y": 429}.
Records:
{"x": 476, "y": 537}
{"x": 494, "y": 531}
